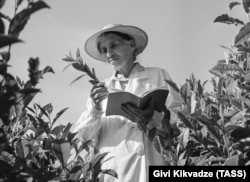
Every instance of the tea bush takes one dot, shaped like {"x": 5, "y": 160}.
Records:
{"x": 215, "y": 126}
{"x": 32, "y": 148}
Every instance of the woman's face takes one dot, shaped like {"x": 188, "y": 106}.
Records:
{"x": 117, "y": 51}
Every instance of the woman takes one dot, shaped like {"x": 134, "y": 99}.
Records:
{"x": 130, "y": 152}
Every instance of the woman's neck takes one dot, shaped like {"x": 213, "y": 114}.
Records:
{"x": 126, "y": 71}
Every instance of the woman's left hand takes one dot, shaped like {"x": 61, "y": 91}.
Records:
{"x": 141, "y": 117}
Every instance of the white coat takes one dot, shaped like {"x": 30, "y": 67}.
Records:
{"x": 130, "y": 151}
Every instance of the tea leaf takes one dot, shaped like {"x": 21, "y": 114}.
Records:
{"x": 185, "y": 137}
{"x": 21, "y": 148}
{"x": 203, "y": 84}
{"x": 85, "y": 145}
{"x": 185, "y": 120}
{"x": 66, "y": 67}
{"x": 28, "y": 99}
{"x": 233, "y": 4}
{"x": 239, "y": 116}
{"x": 31, "y": 110}
{"x": 214, "y": 83}
{"x": 243, "y": 35}
{"x": 33, "y": 120}
{"x": 27, "y": 91}
{"x": 42, "y": 111}
{"x": 230, "y": 113}
{"x": 68, "y": 59}
{"x": 215, "y": 150}
{"x": 246, "y": 105}
{"x": 246, "y": 5}
{"x": 48, "y": 108}
{"x": 185, "y": 92}
{"x": 247, "y": 163}
{"x": 76, "y": 175}
{"x": 182, "y": 159}
{"x": 240, "y": 133}
{"x": 57, "y": 131}
{"x": 19, "y": 21}
{"x": 244, "y": 49}
{"x": 62, "y": 151}
{"x": 59, "y": 114}
{"x": 71, "y": 136}
{"x": 214, "y": 133}
{"x": 237, "y": 104}
{"x": 34, "y": 72}
{"x": 78, "y": 53}
{"x": 225, "y": 18}
{"x": 86, "y": 167}
{"x": 206, "y": 121}
{"x": 19, "y": 82}
{"x": 97, "y": 158}
{"x": 229, "y": 128}
{"x": 78, "y": 67}
{"x": 193, "y": 102}
{"x": 75, "y": 169}
{"x": 19, "y": 2}
{"x": 229, "y": 49}
{"x": 6, "y": 40}
{"x": 66, "y": 131}
{"x": 35, "y": 6}
{"x": 43, "y": 126}
{"x": 220, "y": 85}
{"x": 77, "y": 78}
{"x": 222, "y": 68}
{"x": 93, "y": 72}
{"x": 215, "y": 73}
{"x": 232, "y": 161}
{"x": 93, "y": 82}
{"x": 110, "y": 172}
{"x": 79, "y": 61}
{"x": 48, "y": 69}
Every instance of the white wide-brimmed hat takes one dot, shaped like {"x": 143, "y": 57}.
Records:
{"x": 140, "y": 38}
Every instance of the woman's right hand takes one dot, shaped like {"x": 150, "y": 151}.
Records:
{"x": 97, "y": 94}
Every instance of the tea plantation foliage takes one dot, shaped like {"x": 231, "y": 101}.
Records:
{"x": 214, "y": 127}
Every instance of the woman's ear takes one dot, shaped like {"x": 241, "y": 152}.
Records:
{"x": 132, "y": 45}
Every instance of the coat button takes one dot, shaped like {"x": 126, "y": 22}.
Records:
{"x": 140, "y": 151}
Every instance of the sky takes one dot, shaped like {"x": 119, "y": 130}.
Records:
{"x": 182, "y": 39}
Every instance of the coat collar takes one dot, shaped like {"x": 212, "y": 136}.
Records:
{"x": 137, "y": 68}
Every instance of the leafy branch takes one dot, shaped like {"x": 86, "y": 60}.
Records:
{"x": 80, "y": 66}
{"x": 225, "y": 18}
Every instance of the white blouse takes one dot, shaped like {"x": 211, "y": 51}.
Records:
{"x": 129, "y": 151}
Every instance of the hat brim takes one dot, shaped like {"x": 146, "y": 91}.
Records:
{"x": 140, "y": 37}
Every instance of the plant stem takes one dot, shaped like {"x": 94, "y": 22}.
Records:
{"x": 223, "y": 124}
